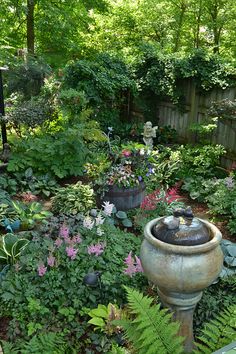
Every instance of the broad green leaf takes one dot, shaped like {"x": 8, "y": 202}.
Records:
{"x": 127, "y": 223}
{"x": 8, "y": 242}
{"x": 97, "y": 321}
{"x": 121, "y": 215}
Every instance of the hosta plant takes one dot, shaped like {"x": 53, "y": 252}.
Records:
{"x": 30, "y": 214}
{"x": 11, "y": 247}
{"x": 73, "y": 199}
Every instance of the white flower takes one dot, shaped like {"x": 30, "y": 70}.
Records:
{"x": 100, "y": 232}
{"x": 107, "y": 208}
{"x": 99, "y": 220}
{"x": 88, "y": 223}
{"x": 142, "y": 152}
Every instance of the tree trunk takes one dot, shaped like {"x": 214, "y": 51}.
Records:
{"x": 180, "y": 24}
{"x": 199, "y": 15}
{"x": 30, "y": 26}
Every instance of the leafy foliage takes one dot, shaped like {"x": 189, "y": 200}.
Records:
{"x": 62, "y": 153}
{"x": 57, "y": 298}
{"x": 151, "y": 330}
{"x": 73, "y": 199}
{"x": 47, "y": 343}
{"x": 11, "y": 247}
{"x": 27, "y": 77}
{"x": 224, "y": 109}
{"x": 219, "y": 332}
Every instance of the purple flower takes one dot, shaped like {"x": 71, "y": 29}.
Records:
{"x": 71, "y": 252}
{"x": 41, "y": 270}
{"x": 140, "y": 178}
{"x": 96, "y": 249}
{"x": 51, "y": 261}
{"x": 64, "y": 231}
{"x": 58, "y": 242}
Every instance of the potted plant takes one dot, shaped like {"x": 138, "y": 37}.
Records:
{"x": 120, "y": 177}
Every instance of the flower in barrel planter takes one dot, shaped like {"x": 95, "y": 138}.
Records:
{"x": 122, "y": 181}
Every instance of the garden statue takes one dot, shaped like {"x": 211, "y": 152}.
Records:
{"x": 149, "y": 133}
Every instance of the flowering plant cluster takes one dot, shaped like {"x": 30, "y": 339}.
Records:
{"x": 130, "y": 165}
{"x": 152, "y": 200}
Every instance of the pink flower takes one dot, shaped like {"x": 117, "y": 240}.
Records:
{"x": 96, "y": 249}
{"x": 77, "y": 238}
{"x": 51, "y": 261}
{"x": 71, "y": 252}
{"x": 126, "y": 153}
{"x": 64, "y": 231}
{"x": 58, "y": 242}
{"x": 133, "y": 266}
{"x": 139, "y": 268}
{"x": 107, "y": 208}
{"x": 41, "y": 270}
{"x": 129, "y": 261}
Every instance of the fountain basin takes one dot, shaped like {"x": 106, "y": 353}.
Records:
{"x": 177, "y": 268}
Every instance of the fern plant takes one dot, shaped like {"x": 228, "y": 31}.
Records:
{"x": 151, "y": 331}
{"x": 47, "y": 343}
{"x": 218, "y": 332}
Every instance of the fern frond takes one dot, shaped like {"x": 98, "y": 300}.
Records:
{"x": 47, "y": 343}
{"x": 151, "y": 331}
{"x": 218, "y": 332}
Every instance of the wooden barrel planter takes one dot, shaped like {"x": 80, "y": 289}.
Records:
{"x": 125, "y": 198}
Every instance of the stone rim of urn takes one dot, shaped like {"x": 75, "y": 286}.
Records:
{"x": 182, "y": 272}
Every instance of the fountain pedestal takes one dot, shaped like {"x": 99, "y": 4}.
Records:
{"x": 181, "y": 272}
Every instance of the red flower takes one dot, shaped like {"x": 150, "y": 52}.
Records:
{"x": 151, "y": 200}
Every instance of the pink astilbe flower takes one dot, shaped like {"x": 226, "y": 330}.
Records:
{"x": 58, "y": 242}
{"x": 51, "y": 261}
{"x": 97, "y": 249}
{"x": 71, "y": 252}
{"x": 107, "y": 208}
{"x": 131, "y": 268}
{"x": 77, "y": 239}
{"x": 139, "y": 268}
{"x": 64, "y": 231}
{"x": 133, "y": 265}
{"x": 41, "y": 270}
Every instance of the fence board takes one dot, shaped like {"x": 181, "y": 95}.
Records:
{"x": 196, "y": 107}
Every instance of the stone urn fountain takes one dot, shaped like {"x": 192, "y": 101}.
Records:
{"x": 182, "y": 256}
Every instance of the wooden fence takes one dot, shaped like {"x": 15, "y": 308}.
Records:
{"x": 195, "y": 108}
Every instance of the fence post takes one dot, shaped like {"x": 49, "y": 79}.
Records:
{"x": 192, "y": 118}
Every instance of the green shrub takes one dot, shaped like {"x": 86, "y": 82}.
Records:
{"x": 73, "y": 199}
{"x": 61, "y": 153}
